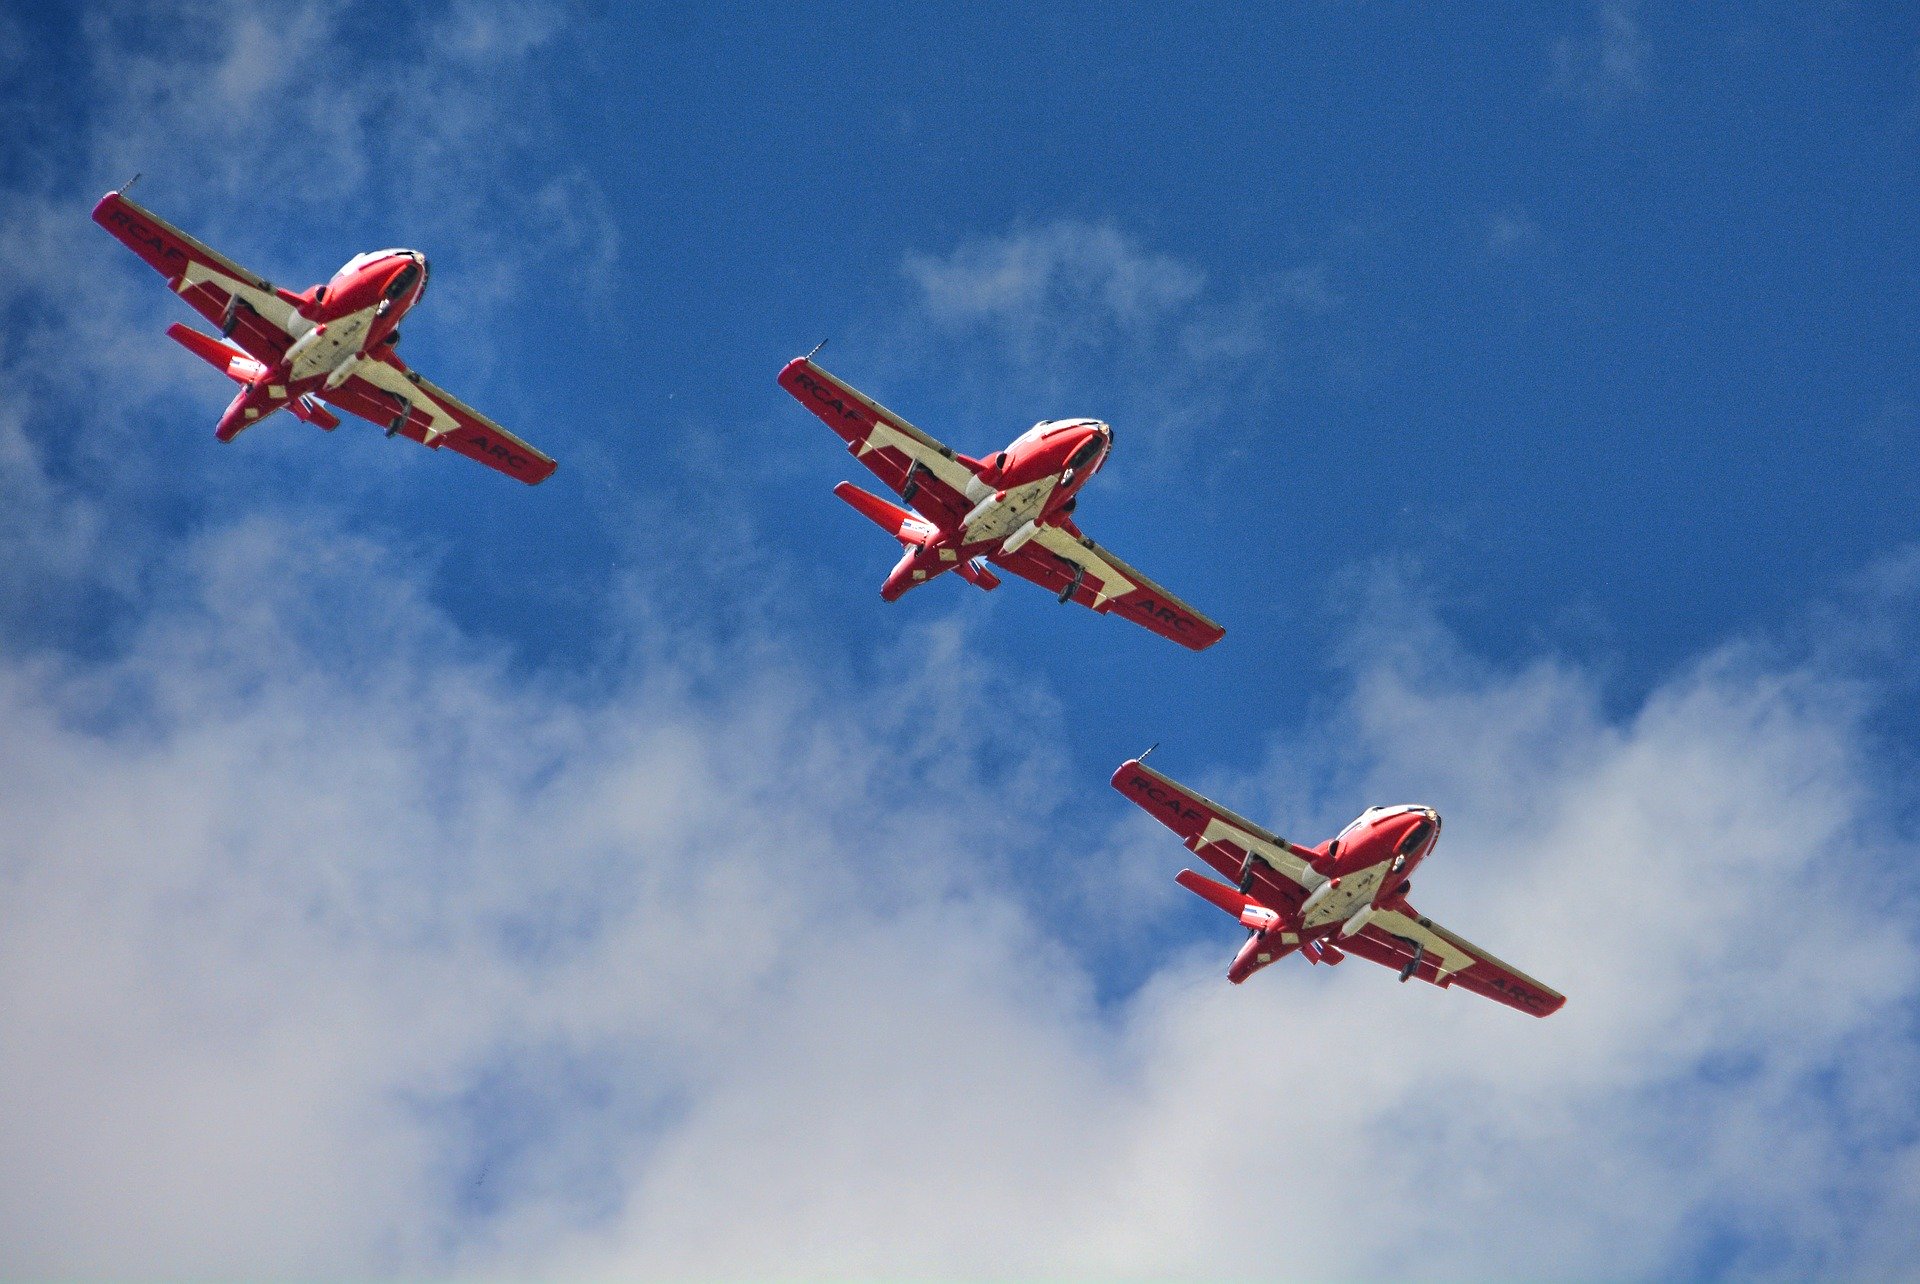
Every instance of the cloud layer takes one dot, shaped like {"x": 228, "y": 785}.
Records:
{"x": 336, "y": 946}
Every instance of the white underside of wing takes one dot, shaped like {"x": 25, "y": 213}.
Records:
{"x": 1112, "y": 583}
{"x": 1021, "y": 505}
{"x": 1448, "y": 957}
{"x": 327, "y": 350}
{"x": 1282, "y": 861}
{"x": 1354, "y": 894}
{"x": 884, "y": 435}
{"x": 270, "y": 306}
{"x": 387, "y": 379}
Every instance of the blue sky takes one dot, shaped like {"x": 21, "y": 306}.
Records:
{"x": 465, "y": 878}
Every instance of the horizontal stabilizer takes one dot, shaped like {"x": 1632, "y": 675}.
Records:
{"x": 210, "y": 350}
{"x": 890, "y": 518}
{"x": 307, "y": 410}
{"x": 1217, "y": 894}
{"x": 1250, "y": 912}
{"x": 976, "y": 573}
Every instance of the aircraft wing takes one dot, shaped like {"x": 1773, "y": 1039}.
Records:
{"x": 1281, "y": 875}
{"x": 1394, "y": 939}
{"x": 886, "y": 443}
{"x": 1055, "y": 559}
{"x": 381, "y": 389}
{"x": 209, "y": 282}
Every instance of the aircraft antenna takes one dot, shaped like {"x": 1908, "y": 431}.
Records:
{"x": 816, "y": 348}
{"x": 128, "y": 186}
{"x": 1150, "y": 749}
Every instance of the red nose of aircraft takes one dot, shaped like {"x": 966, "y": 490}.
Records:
{"x": 1403, "y": 834}
{"x": 404, "y": 282}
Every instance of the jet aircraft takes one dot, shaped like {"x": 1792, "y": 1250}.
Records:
{"x": 1013, "y": 508}
{"x": 1345, "y": 896}
{"x": 333, "y": 343}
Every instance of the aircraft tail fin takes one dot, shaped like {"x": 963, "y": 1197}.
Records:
{"x": 254, "y": 402}
{"x": 244, "y": 370}
{"x": 975, "y": 572}
{"x": 1264, "y": 943}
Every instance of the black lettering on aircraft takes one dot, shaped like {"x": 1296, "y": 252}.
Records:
{"x": 828, "y": 397}
{"x": 1165, "y": 797}
{"x": 138, "y": 231}
{"x": 1514, "y": 990}
{"x": 1165, "y": 614}
{"x": 487, "y": 446}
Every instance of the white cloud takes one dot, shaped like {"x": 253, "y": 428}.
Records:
{"x": 250, "y": 119}
{"x": 1513, "y": 233}
{"x": 1071, "y": 317}
{"x": 46, "y": 531}
{"x": 336, "y": 945}
{"x": 1606, "y": 65}
{"x": 1052, "y": 275}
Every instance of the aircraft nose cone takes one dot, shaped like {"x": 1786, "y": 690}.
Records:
{"x": 1416, "y": 830}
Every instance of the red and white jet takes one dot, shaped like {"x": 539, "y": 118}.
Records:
{"x": 1012, "y": 509}
{"x": 1345, "y": 896}
{"x": 331, "y": 343}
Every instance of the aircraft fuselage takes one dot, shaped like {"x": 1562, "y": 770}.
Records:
{"x": 1365, "y": 868}
{"x": 334, "y": 327}
{"x": 1030, "y": 484}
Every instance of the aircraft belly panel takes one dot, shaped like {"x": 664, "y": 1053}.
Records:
{"x": 341, "y": 340}
{"x": 1021, "y": 505}
{"x": 1354, "y": 891}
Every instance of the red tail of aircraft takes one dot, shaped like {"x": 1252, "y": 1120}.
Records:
{"x": 251, "y": 376}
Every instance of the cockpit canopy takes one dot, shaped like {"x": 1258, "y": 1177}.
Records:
{"x": 1374, "y": 813}
{"x": 416, "y": 269}
{"x": 403, "y": 282}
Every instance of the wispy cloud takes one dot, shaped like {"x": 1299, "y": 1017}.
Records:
{"x": 1605, "y": 64}
{"x": 1066, "y": 276}
{"x": 1513, "y": 233}
{"x": 1072, "y": 317}
{"x": 337, "y": 944}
